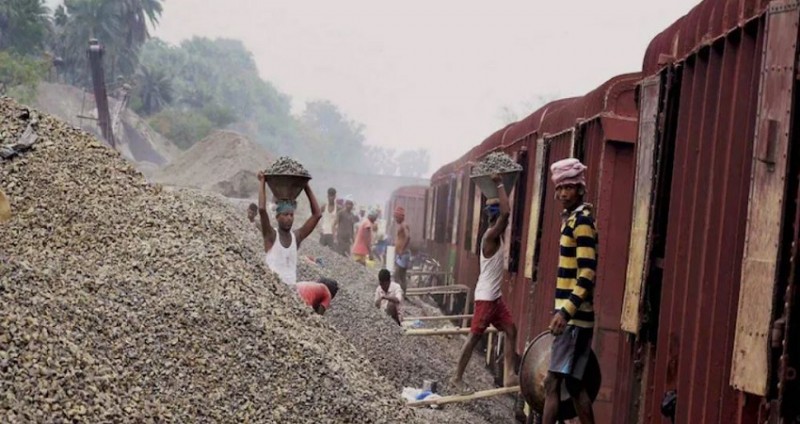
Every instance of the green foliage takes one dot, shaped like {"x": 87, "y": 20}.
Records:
{"x": 24, "y": 25}
{"x": 413, "y": 163}
{"x": 219, "y": 79}
{"x": 184, "y": 128}
{"x": 154, "y": 90}
{"x": 329, "y": 138}
{"x": 19, "y": 75}
{"x": 408, "y": 163}
{"x": 220, "y": 116}
{"x": 187, "y": 90}
{"x": 119, "y": 25}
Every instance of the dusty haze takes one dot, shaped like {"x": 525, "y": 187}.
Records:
{"x": 433, "y": 74}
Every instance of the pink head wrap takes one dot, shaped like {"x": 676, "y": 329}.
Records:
{"x": 568, "y": 171}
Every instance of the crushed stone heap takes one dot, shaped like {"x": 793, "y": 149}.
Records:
{"x": 225, "y": 162}
{"x": 120, "y": 301}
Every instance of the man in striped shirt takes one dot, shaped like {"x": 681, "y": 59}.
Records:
{"x": 573, "y": 318}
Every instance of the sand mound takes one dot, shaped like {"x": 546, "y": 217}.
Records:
{"x": 221, "y": 162}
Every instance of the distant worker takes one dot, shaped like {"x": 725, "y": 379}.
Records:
{"x": 573, "y": 318}
{"x": 329, "y": 220}
{"x": 362, "y": 216}
{"x": 362, "y": 248}
{"x": 490, "y": 309}
{"x": 252, "y": 212}
{"x": 389, "y": 296}
{"x": 401, "y": 247}
{"x": 318, "y": 295}
{"x": 281, "y": 245}
{"x": 345, "y": 224}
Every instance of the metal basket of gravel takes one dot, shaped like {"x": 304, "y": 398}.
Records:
{"x": 286, "y": 178}
{"x": 496, "y": 163}
{"x": 533, "y": 370}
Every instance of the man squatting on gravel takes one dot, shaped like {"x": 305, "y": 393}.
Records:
{"x": 281, "y": 246}
{"x": 573, "y": 317}
{"x": 389, "y": 295}
{"x": 490, "y": 309}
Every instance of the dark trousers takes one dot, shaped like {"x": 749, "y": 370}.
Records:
{"x": 400, "y": 277}
{"x": 343, "y": 247}
{"x": 326, "y": 240}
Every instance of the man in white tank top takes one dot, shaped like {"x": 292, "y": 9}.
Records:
{"x": 329, "y": 220}
{"x": 281, "y": 245}
{"x": 489, "y": 306}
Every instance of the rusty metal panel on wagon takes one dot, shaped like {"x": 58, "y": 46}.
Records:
{"x": 610, "y": 190}
{"x": 704, "y": 240}
{"x": 537, "y": 174}
{"x": 751, "y": 370}
{"x": 642, "y": 197}
{"x": 702, "y": 26}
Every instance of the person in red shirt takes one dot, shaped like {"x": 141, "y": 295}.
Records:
{"x": 363, "y": 245}
{"x": 318, "y": 295}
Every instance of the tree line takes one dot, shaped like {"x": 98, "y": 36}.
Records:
{"x": 185, "y": 91}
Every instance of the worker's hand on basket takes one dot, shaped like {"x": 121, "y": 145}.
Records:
{"x": 558, "y": 324}
{"x": 261, "y": 177}
{"x": 497, "y": 178}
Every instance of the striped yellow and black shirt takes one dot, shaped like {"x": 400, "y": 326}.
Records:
{"x": 577, "y": 263}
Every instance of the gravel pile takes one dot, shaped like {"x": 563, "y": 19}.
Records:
{"x": 495, "y": 163}
{"x": 243, "y": 185}
{"x": 221, "y": 163}
{"x": 120, "y": 301}
{"x": 404, "y": 361}
{"x": 287, "y": 166}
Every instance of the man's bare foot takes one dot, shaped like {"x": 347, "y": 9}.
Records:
{"x": 511, "y": 381}
{"x": 457, "y": 386}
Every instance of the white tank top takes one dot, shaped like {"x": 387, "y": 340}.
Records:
{"x": 488, "y": 287}
{"x": 328, "y": 218}
{"x": 282, "y": 260}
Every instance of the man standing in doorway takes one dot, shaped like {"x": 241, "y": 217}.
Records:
{"x": 281, "y": 245}
{"x": 401, "y": 247}
{"x": 329, "y": 220}
{"x": 490, "y": 309}
{"x": 573, "y": 318}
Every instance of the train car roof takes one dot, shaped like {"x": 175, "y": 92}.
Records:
{"x": 705, "y": 23}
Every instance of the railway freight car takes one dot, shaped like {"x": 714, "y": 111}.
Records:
{"x": 600, "y": 128}
{"x": 711, "y": 281}
{"x": 700, "y": 226}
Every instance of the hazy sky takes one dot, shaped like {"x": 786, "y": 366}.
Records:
{"x": 433, "y": 73}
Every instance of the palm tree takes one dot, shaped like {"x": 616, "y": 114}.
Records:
{"x": 120, "y": 25}
{"x": 23, "y": 25}
{"x": 87, "y": 19}
{"x": 154, "y": 88}
{"x": 135, "y": 16}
